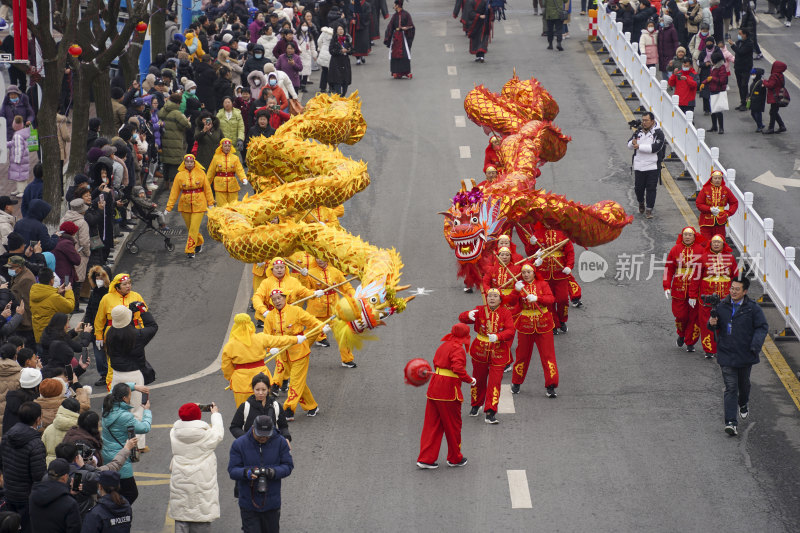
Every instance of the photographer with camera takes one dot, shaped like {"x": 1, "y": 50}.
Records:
{"x": 258, "y": 461}
{"x": 741, "y": 328}
{"x": 193, "y": 489}
{"x": 717, "y": 268}
{"x": 647, "y": 143}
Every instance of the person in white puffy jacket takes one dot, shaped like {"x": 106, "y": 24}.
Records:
{"x": 324, "y": 58}
{"x": 308, "y": 53}
{"x": 193, "y": 489}
{"x": 283, "y": 80}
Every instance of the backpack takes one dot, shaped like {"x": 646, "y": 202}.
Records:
{"x": 782, "y": 97}
{"x": 662, "y": 152}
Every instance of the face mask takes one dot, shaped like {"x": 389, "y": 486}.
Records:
{"x": 304, "y": 28}
{"x": 685, "y": 69}
{"x": 738, "y": 37}
{"x": 13, "y": 99}
{"x": 258, "y": 56}
{"x": 273, "y": 83}
{"x": 99, "y": 282}
{"x": 12, "y": 273}
{"x": 192, "y": 91}
{"x": 709, "y": 47}
{"x": 703, "y": 33}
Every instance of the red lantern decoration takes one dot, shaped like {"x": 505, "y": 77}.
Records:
{"x": 417, "y": 372}
{"x": 75, "y": 50}
{"x": 141, "y": 27}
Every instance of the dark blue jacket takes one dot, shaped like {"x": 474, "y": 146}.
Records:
{"x": 53, "y": 509}
{"x": 107, "y": 517}
{"x": 247, "y": 453}
{"x": 34, "y": 191}
{"x": 31, "y": 227}
{"x": 747, "y": 333}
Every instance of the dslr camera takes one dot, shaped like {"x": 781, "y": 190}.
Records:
{"x": 262, "y": 475}
{"x": 713, "y": 301}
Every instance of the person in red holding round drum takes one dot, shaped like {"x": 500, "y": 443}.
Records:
{"x": 716, "y": 204}
{"x": 443, "y": 409}
{"x": 490, "y": 352}
{"x": 718, "y": 268}
{"x": 679, "y": 271}
{"x": 534, "y": 324}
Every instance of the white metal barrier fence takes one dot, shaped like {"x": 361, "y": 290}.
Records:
{"x": 773, "y": 264}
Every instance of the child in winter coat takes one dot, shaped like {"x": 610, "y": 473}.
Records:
{"x": 648, "y": 44}
{"x": 757, "y": 99}
{"x": 19, "y": 163}
{"x": 148, "y": 208}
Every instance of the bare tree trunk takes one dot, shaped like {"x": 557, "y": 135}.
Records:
{"x": 129, "y": 63}
{"x": 49, "y": 151}
{"x": 158, "y": 44}
{"x": 80, "y": 118}
{"x": 101, "y": 87}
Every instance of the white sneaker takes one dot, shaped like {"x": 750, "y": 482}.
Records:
{"x": 427, "y": 466}
{"x": 788, "y": 24}
{"x": 730, "y": 429}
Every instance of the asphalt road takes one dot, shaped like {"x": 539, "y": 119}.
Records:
{"x": 634, "y": 441}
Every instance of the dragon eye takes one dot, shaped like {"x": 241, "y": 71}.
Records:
{"x": 474, "y": 220}
{"x": 373, "y": 299}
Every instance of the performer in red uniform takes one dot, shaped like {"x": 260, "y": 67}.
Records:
{"x": 501, "y": 276}
{"x": 534, "y": 324}
{"x": 526, "y": 233}
{"x": 717, "y": 269}
{"x": 556, "y": 269}
{"x": 712, "y": 201}
{"x": 504, "y": 241}
{"x": 491, "y": 176}
{"x": 680, "y": 270}
{"x": 443, "y": 410}
{"x": 490, "y": 157}
{"x": 489, "y": 351}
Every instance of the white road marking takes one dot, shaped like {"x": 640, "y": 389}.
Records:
{"x": 769, "y": 20}
{"x": 452, "y": 70}
{"x": 448, "y": 47}
{"x": 461, "y": 121}
{"x": 464, "y": 153}
{"x": 797, "y": 43}
{"x": 455, "y": 94}
{"x": 518, "y": 489}
{"x": 788, "y": 75}
{"x": 507, "y": 29}
{"x": 506, "y": 404}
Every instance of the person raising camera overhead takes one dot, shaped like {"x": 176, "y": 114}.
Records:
{"x": 647, "y": 143}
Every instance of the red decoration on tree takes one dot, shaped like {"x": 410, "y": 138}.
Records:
{"x": 141, "y": 27}
{"x": 75, "y": 50}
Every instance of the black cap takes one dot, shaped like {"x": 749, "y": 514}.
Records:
{"x": 263, "y": 426}
{"x": 15, "y": 241}
{"x": 6, "y": 201}
{"x": 58, "y": 468}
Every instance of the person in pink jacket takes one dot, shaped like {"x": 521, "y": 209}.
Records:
{"x": 19, "y": 163}
{"x": 648, "y": 44}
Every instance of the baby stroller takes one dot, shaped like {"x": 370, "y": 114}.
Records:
{"x": 150, "y": 226}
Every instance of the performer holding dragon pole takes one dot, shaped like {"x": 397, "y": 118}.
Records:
{"x": 679, "y": 271}
{"x": 717, "y": 268}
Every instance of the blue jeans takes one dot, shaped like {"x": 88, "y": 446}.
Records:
{"x": 737, "y": 390}
{"x": 757, "y": 117}
{"x": 263, "y": 522}
{"x": 100, "y": 360}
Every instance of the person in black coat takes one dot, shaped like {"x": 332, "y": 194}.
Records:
{"x": 261, "y": 127}
{"x": 52, "y": 507}
{"x": 339, "y": 73}
{"x": 645, "y": 13}
{"x": 204, "y": 77}
{"x": 679, "y": 21}
{"x": 264, "y": 401}
{"x": 125, "y": 345}
{"x": 223, "y": 87}
{"x": 112, "y": 514}
{"x": 22, "y": 460}
{"x": 29, "y": 390}
{"x": 256, "y": 61}
{"x": 742, "y": 64}
{"x": 740, "y": 330}
{"x": 32, "y": 229}
{"x": 757, "y": 98}
{"x": 60, "y": 343}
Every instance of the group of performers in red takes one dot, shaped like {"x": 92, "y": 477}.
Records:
{"x": 700, "y": 266}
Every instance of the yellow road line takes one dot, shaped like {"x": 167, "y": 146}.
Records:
{"x": 162, "y": 426}
{"x": 770, "y": 350}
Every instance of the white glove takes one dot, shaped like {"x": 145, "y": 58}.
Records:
{"x": 471, "y": 315}
{"x": 244, "y": 182}
{"x": 318, "y": 293}
{"x": 304, "y": 272}
{"x": 532, "y": 239}
{"x": 301, "y": 339}
{"x": 715, "y": 210}
{"x": 692, "y": 302}
{"x": 518, "y": 286}
{"x": 473, "y": 382}
{"x": 538, "y": 262}
{"x": 265, "y": 313}
{"x": 567, "y": 271}
{"x": 668, "y": 294}
{"x": 99, "y": 344}
{"x": 531, "y": 297}
{"x": 326, "y": 329}
{"x": 273, "y": 351}
{"x": 492, "y": 337}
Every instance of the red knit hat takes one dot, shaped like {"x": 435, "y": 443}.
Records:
{"x": 68, "y": 227}
{"x": 189, "y": 412}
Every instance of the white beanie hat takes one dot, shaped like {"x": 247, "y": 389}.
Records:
{"x": 120, "y": 316}
{"x": 30, "y": 378}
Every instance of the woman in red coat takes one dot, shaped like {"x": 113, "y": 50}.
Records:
{"x": 774, "y": 84}
{"x": 67, "y": 258}
{"x": 712, "y": 201}
{"x": 443, "y": 410}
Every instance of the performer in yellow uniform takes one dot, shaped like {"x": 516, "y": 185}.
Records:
{"x": 291, "y": 320}
{"x": 225, "y": 172}
{"x": 196, "y": 197}
{"x": 305, "y": 261}
{"x": 243, "y": 354}
{"x": 323, "y": 308}
{"x": 278, "y": 279}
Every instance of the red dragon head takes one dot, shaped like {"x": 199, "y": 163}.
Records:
{"x": 471, "y": 222}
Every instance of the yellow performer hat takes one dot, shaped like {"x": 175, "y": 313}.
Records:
{"x": 504, "y": 249}
{"x": 493, "y": 290}
{"x": 527, "y": 266}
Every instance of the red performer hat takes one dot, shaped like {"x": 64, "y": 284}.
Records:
{"x": 277, "y": 291}
{"x": 277, "y": 261}
{"x": 188, "y": 157}
{"x": 459, "y": 333}
{"x": 189, "y": 412}
{"x": 698, "y": 238}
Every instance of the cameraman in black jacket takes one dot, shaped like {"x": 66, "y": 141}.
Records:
{"x": 741, "y": 328}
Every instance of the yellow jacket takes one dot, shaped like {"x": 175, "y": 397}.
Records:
{"x": 292, "y": 320}
{"x": 194, "y": 190}
{"x": 323, "y": 307}
{"x": 108, "y": 302}
{"x": 303, "y": 260}
{"x": 45, "y": 302}
{"x": 290, "y": 286}
{"x": 225, "y": 171}
{"x": 328, "y": 215}
{"x": 236, "y": 353}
